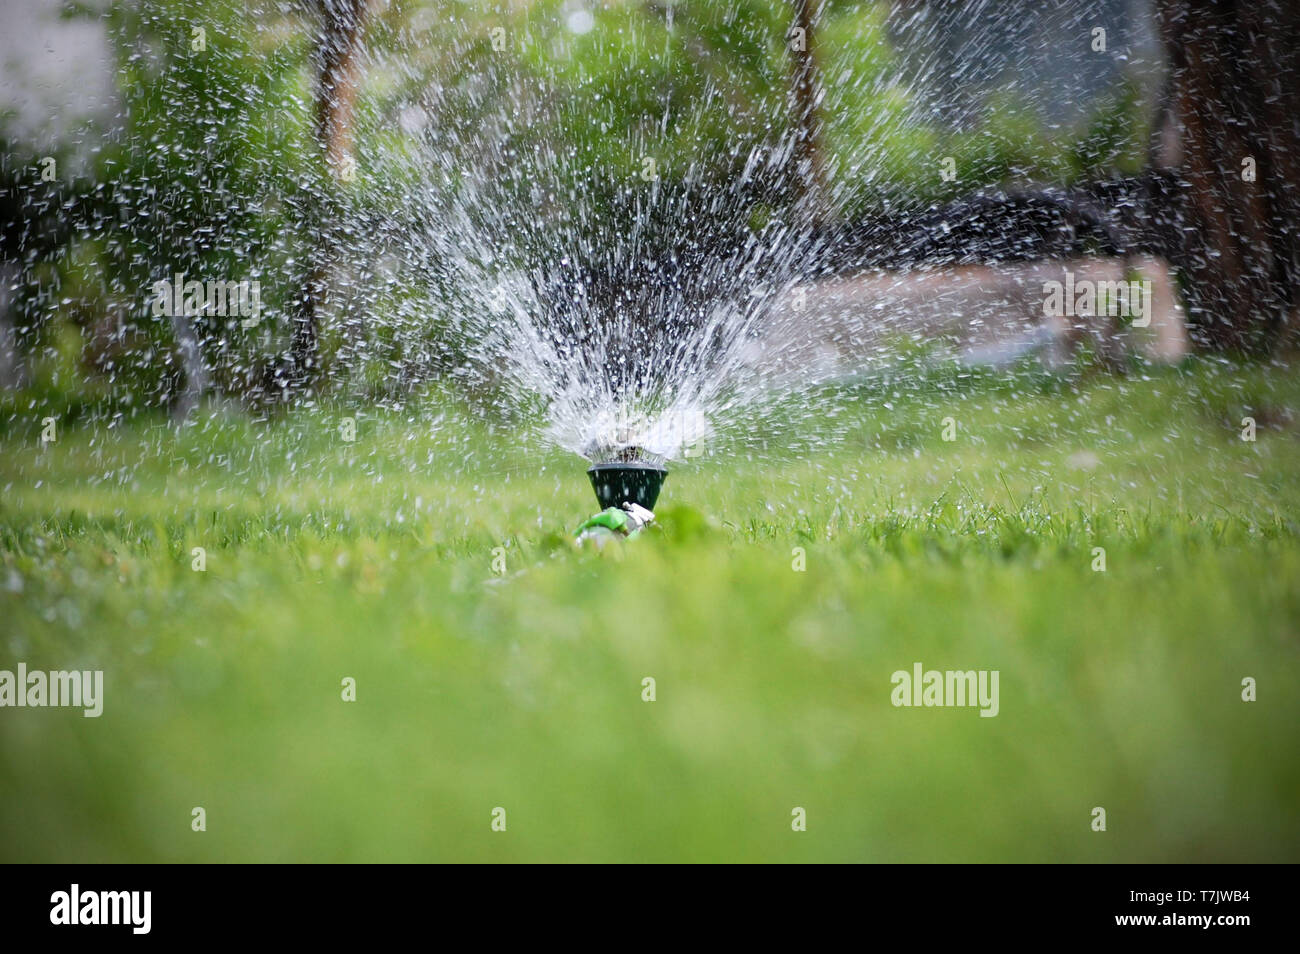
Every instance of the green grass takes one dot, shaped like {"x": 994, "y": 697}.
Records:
{"x": 373, "y": 560}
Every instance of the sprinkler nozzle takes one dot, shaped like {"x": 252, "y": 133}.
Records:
{"x": 617, "y": 482}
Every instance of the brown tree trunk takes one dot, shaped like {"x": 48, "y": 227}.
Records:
{"x": 1235, "y": 96}
{"x": 338, "y": 64}
{"x": 808, "y": 154}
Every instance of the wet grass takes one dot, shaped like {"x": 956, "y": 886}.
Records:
{"x": 374, "y": 560}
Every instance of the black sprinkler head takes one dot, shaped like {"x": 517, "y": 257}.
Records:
{"x": 619, "y": 482}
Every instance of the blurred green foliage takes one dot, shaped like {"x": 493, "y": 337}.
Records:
{"x": 211, "y": 168}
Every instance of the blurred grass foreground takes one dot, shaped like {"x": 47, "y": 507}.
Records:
{"x": 1119, "y": 554}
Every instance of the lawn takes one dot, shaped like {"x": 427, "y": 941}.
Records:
{"x": 377, "y": 561}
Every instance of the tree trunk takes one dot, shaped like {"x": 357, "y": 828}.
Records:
{"x": 1235, "y": 101}
{"x": 13, "y": 366}
{"x": 807, "y": 155}
{"x": 197, "y": 379}
{"x": 338, "y": 64}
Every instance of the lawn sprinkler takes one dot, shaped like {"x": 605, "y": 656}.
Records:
{"x": 627, "y": 481}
